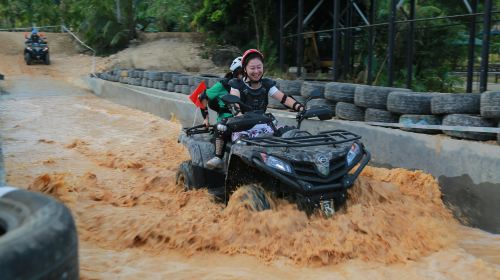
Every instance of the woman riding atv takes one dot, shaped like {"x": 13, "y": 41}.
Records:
{"x": 212, "y": 96}
{"x": 253, "y": 90}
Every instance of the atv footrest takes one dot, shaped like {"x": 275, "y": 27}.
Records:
{"x": 331, "y": 137}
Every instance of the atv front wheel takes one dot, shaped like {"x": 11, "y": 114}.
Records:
{"x": 47, "y": 59}
{"x": 27, "y": 58}
{"x": 184, "y": 176}
{"x": 252, "y": 197}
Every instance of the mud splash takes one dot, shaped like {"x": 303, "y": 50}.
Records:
{"x": 392, "y": 216}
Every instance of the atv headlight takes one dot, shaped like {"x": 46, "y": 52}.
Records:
{"x": 353, "y": 153}
{"x": 45, "y": 49}
{"x": 276, "y": 163}
{"x": 28, "y": 48}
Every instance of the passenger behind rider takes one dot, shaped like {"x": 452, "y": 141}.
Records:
{"x": 211, "y": 98}
{"x": 253, "y": 90}
{"x": 35, "y": 37}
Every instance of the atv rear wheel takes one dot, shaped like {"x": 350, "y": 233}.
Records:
{"x": 184, "y": 176}
{"x": 252, "y": 197}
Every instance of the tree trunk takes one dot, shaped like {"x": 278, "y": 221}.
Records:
{"x": 254, "y": 14}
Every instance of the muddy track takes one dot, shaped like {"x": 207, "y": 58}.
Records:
{"x": 114, "y": 167}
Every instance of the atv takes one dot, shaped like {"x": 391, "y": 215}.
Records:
{"x": 36, "y": 52}
{"x": 312, "y": 170}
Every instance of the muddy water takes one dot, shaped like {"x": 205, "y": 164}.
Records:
{"x": 115, "y": 168}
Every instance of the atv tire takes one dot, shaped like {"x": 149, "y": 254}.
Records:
{"x": 38, "y": 237}
{"x": 184, "y": 176}
{"x": 252, "y": 197}
{"x": 27, "y": 58}
{"x": 47, "y": 59}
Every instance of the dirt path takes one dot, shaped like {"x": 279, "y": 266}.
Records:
{"x": 114, "y": 167}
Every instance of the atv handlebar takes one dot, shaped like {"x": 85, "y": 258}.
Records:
{"x": 198, "y": 129}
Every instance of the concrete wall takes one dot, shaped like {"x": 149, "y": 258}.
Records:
{"x": 468, "y": 171}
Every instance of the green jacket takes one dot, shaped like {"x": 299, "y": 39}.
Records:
{"x": 215, "y": 94}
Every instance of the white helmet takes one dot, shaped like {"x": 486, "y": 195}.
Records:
{"x": 235, "y": 64}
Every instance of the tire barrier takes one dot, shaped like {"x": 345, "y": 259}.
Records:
{"x": 404, "y": 102}
{"x": 308, "y": 87}
{"x": 38, "y": 238}
{"x": 373, "y": 96}
{"x": 340, "y": 92}
{"x": 290, "y": 87}
{"x": 378, "y": 115}
{"x": 421, "y": 120}
{"x": 455, "y": 103}
{"x": 374, "y": 104}
{"x": 348, "y": 111}
{"x": 490, "y": 104}
{"x": 469, "y": 120}
{"x": 321, "y": 102}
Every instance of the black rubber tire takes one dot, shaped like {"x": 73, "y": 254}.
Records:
{"x": 144, "y": 82}
{"x": 321, "y": 102}
{"x": 170, "y": 87}
{"x": 289, "y": 87}
{"x": 167, "y": 76}
{"x": 469, "y": 120}
{"x": 38, "y": 238}
{"x": 378, "y": 115}
{"x": 184, "y": 176}
{"x": 308, "y": 87}
{"x": 299, "y": 98}
{"x": 348, "y": 111}
{"x": 178, "y": 88}
{"x": 47, "y": 59}
{"x": 275, "y": 104}
{"x": 155, "y": 75}
{"x": 252, "y": 197}
{"x": 421, "y": 119}
{"x": 340, "y": 92}
{"x": 373, "y": 96}
{"x": 490, "y": 104}
{"x": 186, "y": 89}
{"x": 178, "y": 79}
{"x": 402, "y": 102}
{"x": 27, "y": 58}
{"x": 156, "y": 84}
{"x": 455, "y": 103}
{"x": 150, "y": 83}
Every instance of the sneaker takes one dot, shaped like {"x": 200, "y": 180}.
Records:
{"x": 214, "y": 163}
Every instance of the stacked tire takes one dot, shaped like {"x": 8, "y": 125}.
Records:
{"x": 490, "y": 107}
{"x": 38, "y": 238}
{"x": 414, "y": 108}
{"x": 374, "y": 101}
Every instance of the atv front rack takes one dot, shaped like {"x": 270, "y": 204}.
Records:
{"x": 331, "y": 137}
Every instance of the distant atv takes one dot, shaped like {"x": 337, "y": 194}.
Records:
{"x": 313, "y": 171}
{"x": 36, "y": 52}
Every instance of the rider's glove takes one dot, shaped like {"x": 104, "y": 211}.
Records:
{"x": 221, "y": 127}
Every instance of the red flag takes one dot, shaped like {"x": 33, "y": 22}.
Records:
{"x": 194, "y": 96}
